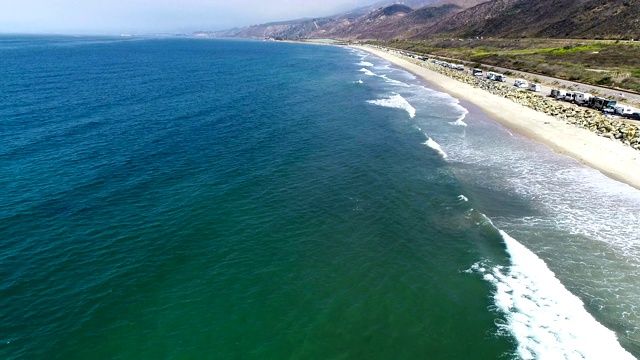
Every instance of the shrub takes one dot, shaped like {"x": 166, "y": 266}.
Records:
{"x": 606, "y": 80}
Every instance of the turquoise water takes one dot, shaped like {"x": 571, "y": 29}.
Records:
{"x": 183, "y": 198}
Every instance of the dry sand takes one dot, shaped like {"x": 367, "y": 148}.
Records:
{"x": 612, "y": 158}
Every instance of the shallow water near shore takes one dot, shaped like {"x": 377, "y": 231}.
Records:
{"x": 246, "y": 199}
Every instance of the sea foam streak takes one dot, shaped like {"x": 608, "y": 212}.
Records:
{"x": 546, "y": 319}
{"x": 367, "y": 72}
{"x": 395, "y": 101}
{"x": 394, "y": 82}
{"x": 434, "y": 145}
{"x": 365, "y": 63}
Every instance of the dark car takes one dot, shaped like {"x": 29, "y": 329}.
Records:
{"x": 633, "y": 116}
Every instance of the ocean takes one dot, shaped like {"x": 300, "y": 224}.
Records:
{"x": 234, "y": 199}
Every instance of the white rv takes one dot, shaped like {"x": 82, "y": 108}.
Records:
{"x": 534, "y": 87}
{"x": 491, "y": 75}
{"x": 581, "y": 98}
{"x": 500, "y": 77}
{"x": 521, "y": 83}
{"x": 623, "y": 110}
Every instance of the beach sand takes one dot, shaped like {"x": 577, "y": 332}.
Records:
{"x": 610, "y": 157}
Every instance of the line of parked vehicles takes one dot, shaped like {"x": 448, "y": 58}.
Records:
{"x": 519, "y": 83}
{"x": 448, "y": 65}
{"x": 605, "y": 105}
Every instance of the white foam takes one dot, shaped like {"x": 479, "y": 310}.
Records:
{"x": 463, "y": 198}
{"x": 396, "y": 101}
{"x": 365, "y": 63}
{"x": 395, "y": 82}
{"x": 434, "y": 145}
{"x": 547, "y": 320}
{"x": 459, "y": 121}
{"x": 359, "y": 81}
{"x": 367, "y": 72}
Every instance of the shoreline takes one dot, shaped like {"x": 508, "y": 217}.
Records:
{"x": 612, "y": 158}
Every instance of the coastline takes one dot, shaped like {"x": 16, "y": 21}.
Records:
{"x": 612, "y": 158}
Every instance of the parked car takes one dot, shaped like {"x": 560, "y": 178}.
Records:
{"x": 633, "y": 116}
{"x": 521, "y": 83}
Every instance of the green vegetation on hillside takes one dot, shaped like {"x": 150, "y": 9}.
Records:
{"x": 607, "y": 63}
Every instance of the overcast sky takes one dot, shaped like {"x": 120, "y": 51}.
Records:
{"x": 143, "y": 16}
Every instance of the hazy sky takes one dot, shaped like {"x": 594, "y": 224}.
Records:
{"x": 138, "y": 16}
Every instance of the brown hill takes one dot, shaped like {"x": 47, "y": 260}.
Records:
{"x": 542, "y": 18}
{"x": 590, "y": 19}
{"x": 399, "y": 20}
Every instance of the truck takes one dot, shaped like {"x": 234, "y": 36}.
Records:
{"x": 602, "y": 104}
{"x": 581, "y": 98}
{"x": 568, "y": 97}
{"x": 557, "y": 94}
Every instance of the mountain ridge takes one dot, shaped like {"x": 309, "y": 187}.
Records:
{"x": 423, "y": 19}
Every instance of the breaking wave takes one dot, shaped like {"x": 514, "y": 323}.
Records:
{"x": 367, "y": 72}
{"x": 396, "y": 101}
{"x": 434, "y": 145}
{"x": 547, "y": 320}
{"x": 365, "y": 63}
{"x": 460, "y": 120}
{"x": 394, "y": 82}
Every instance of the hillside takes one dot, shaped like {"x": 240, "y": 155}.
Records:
{"x": 538, "y": 18}
{"x": 399, "y": 19}
{"x": 426, "y": 19}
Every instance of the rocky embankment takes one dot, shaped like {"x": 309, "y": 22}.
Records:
{"x": 610, "y": 127}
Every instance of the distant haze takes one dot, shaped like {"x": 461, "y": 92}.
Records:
{"x": 148, "y": 16}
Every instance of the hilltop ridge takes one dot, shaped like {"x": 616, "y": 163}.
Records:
{"x": 424, "y": 19}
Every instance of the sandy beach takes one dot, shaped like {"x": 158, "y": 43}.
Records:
{"x": 612, "y": 158}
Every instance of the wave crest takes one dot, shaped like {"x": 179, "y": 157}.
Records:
{"x": 395, "y": 101}
{"x": 434, "y": 145}
{"x": 547, "y": 320}
{"x": 367, "y": 72}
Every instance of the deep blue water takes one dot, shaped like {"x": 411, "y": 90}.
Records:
{"x": 190, "y": 198}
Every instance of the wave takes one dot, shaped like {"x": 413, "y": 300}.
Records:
{"x": 463, "y": 198}
{"x": 460, "y": 120}
{"x": 367, "y": 72}
{"x": 395, "y": 82}
{"x": 434, "y": 145}
{"x": 547, "y": 320}
{"x": 396, "y": 101}
{"x": 365, "y": 63}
